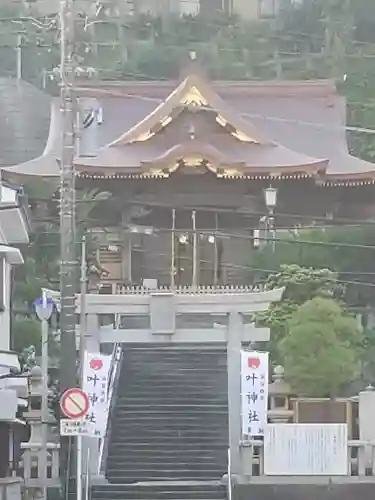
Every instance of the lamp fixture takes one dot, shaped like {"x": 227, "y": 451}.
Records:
{"x": 270, "y": 197}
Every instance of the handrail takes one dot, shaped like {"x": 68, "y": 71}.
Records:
{"x": 115, "y": 361}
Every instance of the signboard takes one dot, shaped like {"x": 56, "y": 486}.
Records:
{"x": 74, "y": 403}
{"x": 70, "y": 427}
{"x": 306, "y": 450}
{"x": 254, "y": 392}
{"x": 96, "y": 368}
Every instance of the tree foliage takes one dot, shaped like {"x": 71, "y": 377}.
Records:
{"x": 301, "y": 284}
{"x": 41, "y": 267}
{"x": 321, "y": 353}
{"x": 326, "y": 248}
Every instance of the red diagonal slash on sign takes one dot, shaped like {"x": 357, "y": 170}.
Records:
{"x": 74, "y": 403}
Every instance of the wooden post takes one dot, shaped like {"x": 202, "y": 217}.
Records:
{"x": 173, "y": 248}
{"x": 195, "y": 250}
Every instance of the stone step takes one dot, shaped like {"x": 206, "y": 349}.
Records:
{"x": 171, "y": 441}
{"x": 158, "y": 491}
{"x": 172, "y": 410}
{"x": 205, "y": 457}
{"x": 148, "y": 474}
{"x": 127, "y": 428}
{"x": 205, "y": 396}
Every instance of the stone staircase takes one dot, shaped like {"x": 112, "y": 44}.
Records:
{"x": 169, "y": 427}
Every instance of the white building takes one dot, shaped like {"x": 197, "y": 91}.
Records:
{"x": 14, "y": 230}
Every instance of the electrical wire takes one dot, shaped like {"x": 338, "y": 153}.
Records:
{"x": 257, "y": 116}
{"x": 242, "y": 266}
{"x": 242, "y": 212}
{"x": 231, "y": 265}
{"x": 232, "y": 235}
{"x": 356, "y": 129}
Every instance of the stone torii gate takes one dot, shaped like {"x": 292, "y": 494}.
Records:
{"x": 161, "y": 309}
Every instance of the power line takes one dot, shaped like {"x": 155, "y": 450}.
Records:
{"x": 232, "y": 265}
{"x": 243, "y": 212}
{"x": 232, "y": 235}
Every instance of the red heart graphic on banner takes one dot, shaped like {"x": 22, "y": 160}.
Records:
{"x": 96, "y": 364}
{"x": 253, "y": 363}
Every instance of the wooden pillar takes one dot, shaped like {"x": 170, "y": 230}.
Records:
{"x": 173, "y": 249}
{"x": 216, "y": 252}
{"x": 126, "y": 249}
{"x": 195, "y": 254}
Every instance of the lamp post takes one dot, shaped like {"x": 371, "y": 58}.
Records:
{"x": 270, "y": 197}
{"x": 44, "y": 309}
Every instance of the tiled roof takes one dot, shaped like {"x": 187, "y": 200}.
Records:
{"x": 298, "y": 128}
{"x": 25, "y": 117}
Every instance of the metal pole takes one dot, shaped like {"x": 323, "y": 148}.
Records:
{"x": 272, "y": 228}
{"x": 87, "y": 491}
{"x": 195, "y": 250}
{"x": 44, "y": 368}
{"x": 173, "y": 248}
{"x": 19, "y": 57}
{"x": 82, "y": 330}
{"x": 68, "y": 268}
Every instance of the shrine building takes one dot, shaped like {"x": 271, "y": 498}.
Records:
{"x": 187, "y": 164}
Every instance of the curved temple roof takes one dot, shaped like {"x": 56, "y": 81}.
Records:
{"x": 233, "y": 129}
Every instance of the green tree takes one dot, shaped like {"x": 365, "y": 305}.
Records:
{"x": 41, "y": 267}
{"x": 301, "y": 284}
{"x": 321, "y": 353}
{"x": 354, "y": 265}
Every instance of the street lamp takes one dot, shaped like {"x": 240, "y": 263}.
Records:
{"x": 270, "y": 197}
{"x": 44, "y": 308}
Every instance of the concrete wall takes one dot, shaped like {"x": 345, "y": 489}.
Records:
{"x": 356, "y": 490}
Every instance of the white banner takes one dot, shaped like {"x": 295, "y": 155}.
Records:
{"x": 254, "y": 392}
{"x": 95, "y": 384}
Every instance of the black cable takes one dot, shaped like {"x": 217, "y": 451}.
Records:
{"x": 225, "y": 235}
{"x": 243, "y": 212}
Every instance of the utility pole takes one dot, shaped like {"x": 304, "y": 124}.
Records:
{"x": 82, "y": 325}
{"x": 68, "y": 270}
{"x": 68, "y": 266}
